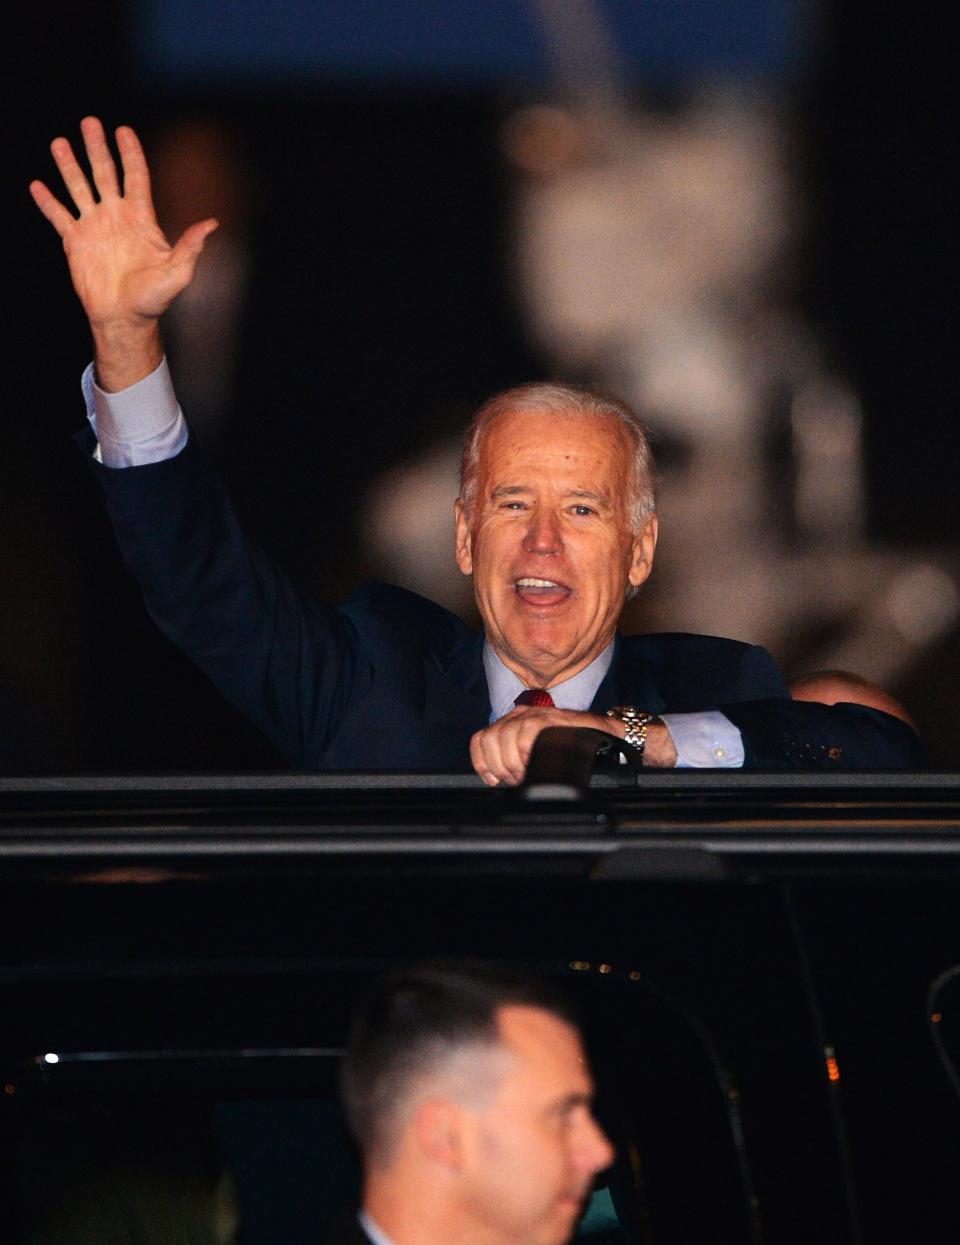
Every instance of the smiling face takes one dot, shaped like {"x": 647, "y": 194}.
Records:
{"x": 549, "y": 542}
{"x": 531, "y": 1154}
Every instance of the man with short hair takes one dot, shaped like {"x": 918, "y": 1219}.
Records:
{"x": 834, "y": 687}
{"x": 555, "y": 523}
{"x": 469, "y": 1096}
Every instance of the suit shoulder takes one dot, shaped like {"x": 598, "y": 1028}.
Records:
{"x": 676, "y": 645}
{"x": 346, "y": 1231}
{"x": 377, "y": 607}
{"x": 696, "y": 671}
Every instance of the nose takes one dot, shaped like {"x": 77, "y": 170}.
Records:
{"x": 595, "y": 1150}
{"x": 543, "y": 534}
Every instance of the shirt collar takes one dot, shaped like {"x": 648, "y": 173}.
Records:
{"x": 576, "y": 693}
{"x": 375, "y": 1233}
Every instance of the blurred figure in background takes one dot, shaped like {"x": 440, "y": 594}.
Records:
{"x": 137, "y": 1176}
{"x": 832, "y": 687}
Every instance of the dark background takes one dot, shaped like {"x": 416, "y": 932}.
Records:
{"x": 383, "y": 312}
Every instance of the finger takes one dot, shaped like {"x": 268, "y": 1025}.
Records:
{"x": 491, "y": 765}
{"x": 73, "y": 175}
{"x": 98, "y": 153}
{"x": 136, "y": 173}
{"x": 508, "y": 763}
{"x": 526, "y": 738}
{"x": 52, "y": 208}
{"x": 479, "y": 761}
{"x": 502, "y": 754}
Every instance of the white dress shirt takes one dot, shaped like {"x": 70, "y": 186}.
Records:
{"x": 373, "y": 1230}
{"x": 144, "y": 424}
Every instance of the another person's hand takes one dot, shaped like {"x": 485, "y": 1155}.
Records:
{"x": 500, "y": 752}
{"x": 124, "y": 270}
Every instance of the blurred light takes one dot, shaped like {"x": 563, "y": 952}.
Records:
{"x": 9, "y": 1088}
{"x": 827, "y": 419}
{"x": 922, "y": 603}
{"x": 606, "y": 968}
{"x": 937, "y": 1017}
{"x": 50, "y": 1057}
{"x": 827, "y": 422}
{"x": 833, "y": 1068}
{"x": 542, "y": 140}
{"x": 634, "y": 975}
{"x": 580, "y": 966}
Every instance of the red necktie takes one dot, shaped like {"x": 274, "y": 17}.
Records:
{"x": 537, "y": 697}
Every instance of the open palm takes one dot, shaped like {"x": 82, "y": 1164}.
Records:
{"x": 123, "y": 268}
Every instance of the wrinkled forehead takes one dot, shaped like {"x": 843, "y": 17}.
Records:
{"x": 596, "y": 442}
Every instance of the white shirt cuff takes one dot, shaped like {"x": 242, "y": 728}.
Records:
{"x": 139, "y": 425}
{"x": 705, "y": 740}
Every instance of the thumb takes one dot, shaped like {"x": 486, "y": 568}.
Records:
{"x": 191, "y": 241}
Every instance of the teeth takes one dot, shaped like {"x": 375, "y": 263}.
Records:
{"x": 536, "y": 583}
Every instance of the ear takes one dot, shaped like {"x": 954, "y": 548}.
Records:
{"x": 464, "y": 542}
{"x": 641, "y": 557}
{"x": 438, "y": 1129}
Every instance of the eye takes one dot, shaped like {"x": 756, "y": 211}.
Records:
{"x": 513, "y": 505}
{"x": 582, "y": 511}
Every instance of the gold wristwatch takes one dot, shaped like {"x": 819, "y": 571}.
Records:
{"x": 637, "y": 722}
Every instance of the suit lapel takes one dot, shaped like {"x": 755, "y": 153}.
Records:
{"x": 462, "y": 693}
{"x": 455, "y": 705}
{"x": 630, "y": 679}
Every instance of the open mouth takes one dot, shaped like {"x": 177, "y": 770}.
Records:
{"x": 541, "y": 592}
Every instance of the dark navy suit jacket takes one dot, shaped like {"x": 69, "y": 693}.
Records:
{"x": 391, "y": 681}
{"x": 347, "y": 1231}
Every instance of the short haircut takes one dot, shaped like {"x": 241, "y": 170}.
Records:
{"x": 831, "y": 687}
{"x": 563, "y": 400}
{"x": 412, "y": 1025}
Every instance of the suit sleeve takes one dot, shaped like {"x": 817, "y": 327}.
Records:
{"x": 290, "y": 664}
{"x": 790, "y": 734}
{"x": 759, "y": 677}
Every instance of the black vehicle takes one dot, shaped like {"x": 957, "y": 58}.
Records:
{"x": 767, "y": 967}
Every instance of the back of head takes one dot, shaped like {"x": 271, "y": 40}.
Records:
{"x": 412, "y": 1027}
{"x": 831, "y": 687}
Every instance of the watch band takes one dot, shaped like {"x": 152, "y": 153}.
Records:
{"x": 637, "y": 722}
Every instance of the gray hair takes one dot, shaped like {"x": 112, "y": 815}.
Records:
{"x": 563, "y": 400}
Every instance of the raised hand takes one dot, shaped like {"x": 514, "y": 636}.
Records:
{"x": 124, "y": 270}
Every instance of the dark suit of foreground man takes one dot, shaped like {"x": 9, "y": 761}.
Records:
{"x": 555, "y": 522}
{"x": 468, "y": 1094}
